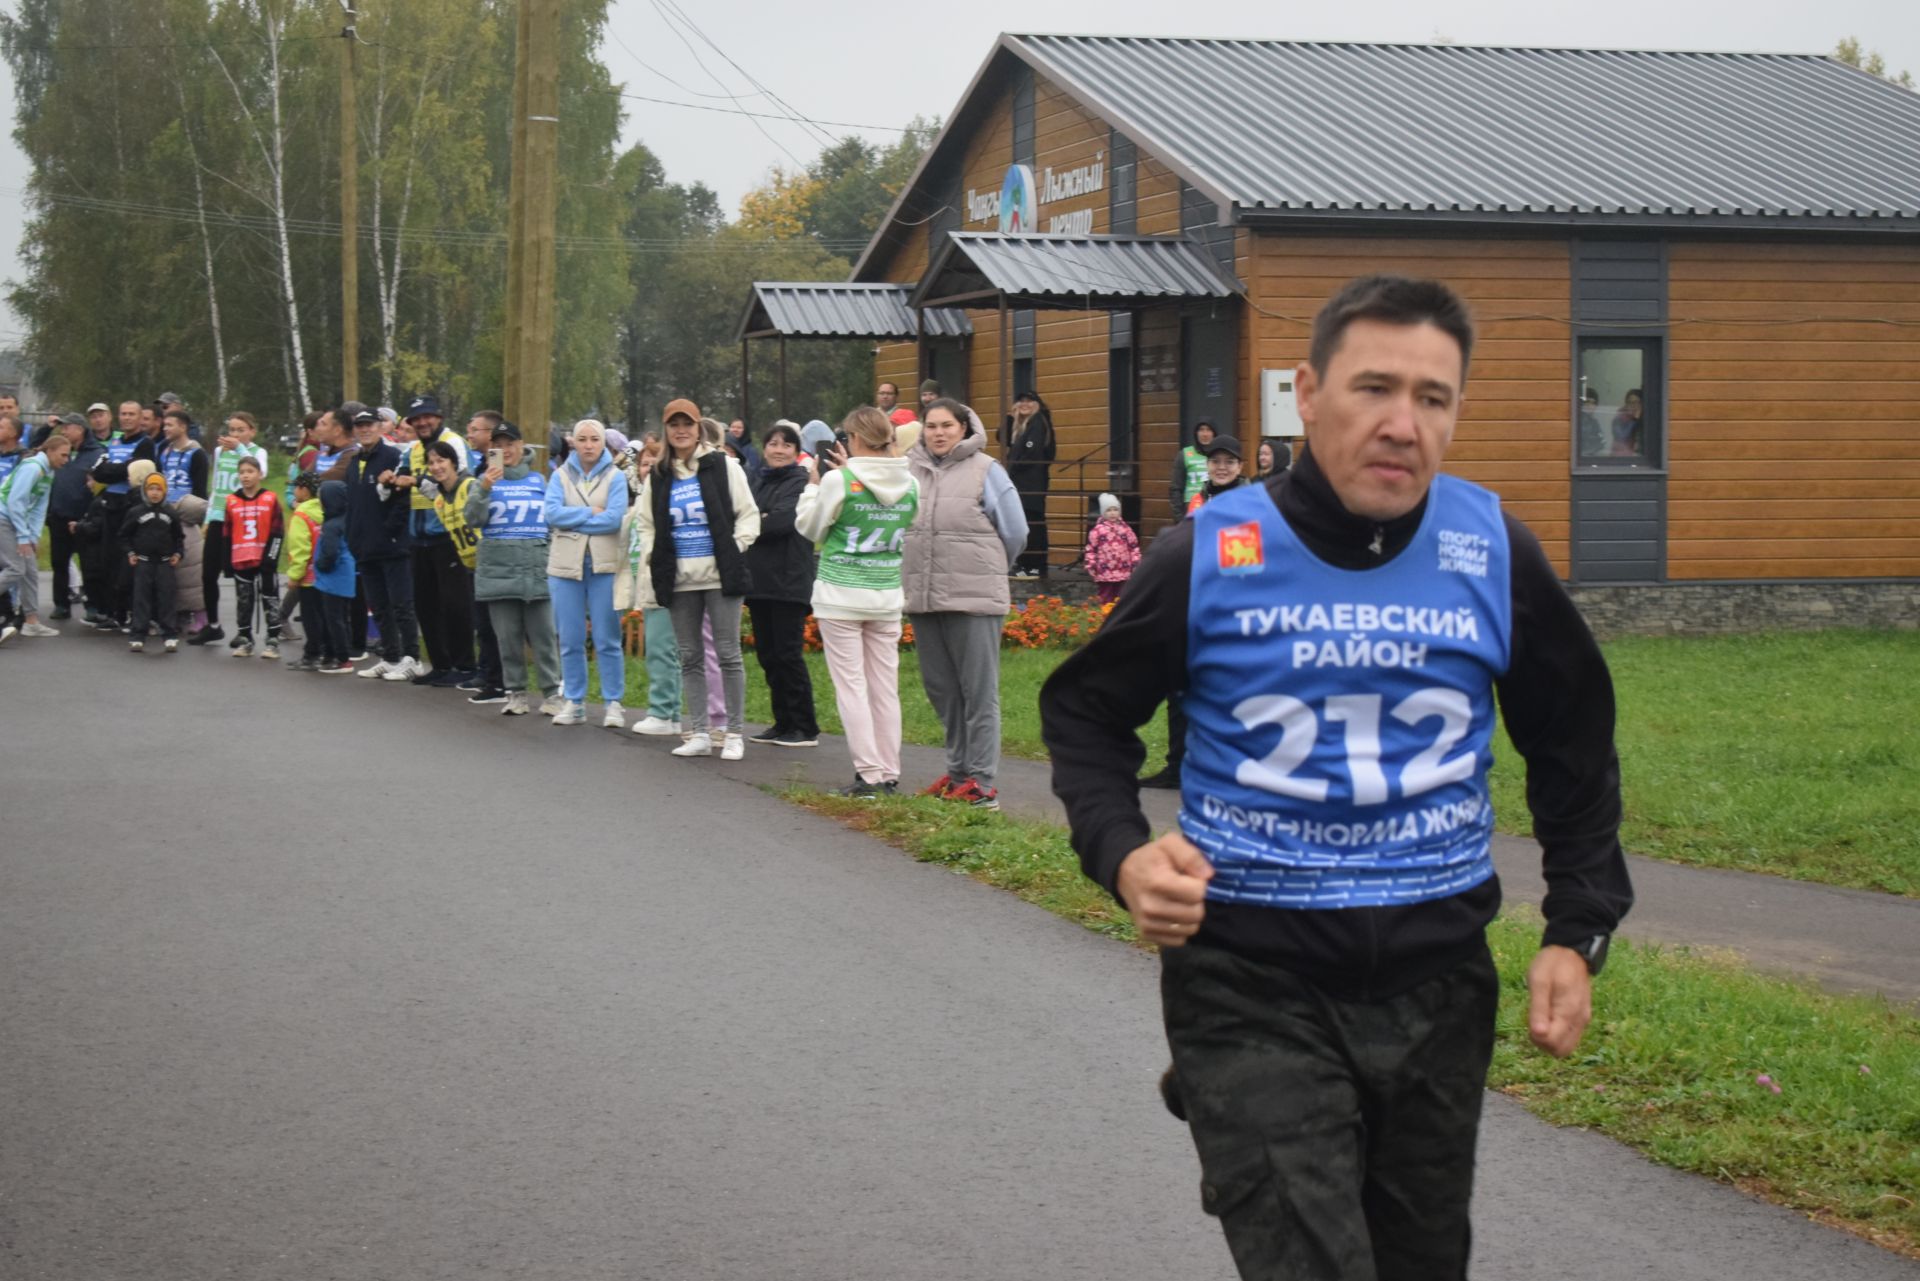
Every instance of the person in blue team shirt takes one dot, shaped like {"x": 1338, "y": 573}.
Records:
{"x": 507, "y": 504}
{"x": 586, "y": 501}
{"x": 1339, "y": 634}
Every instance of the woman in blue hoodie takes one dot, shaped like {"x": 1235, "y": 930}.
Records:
{"x": 586, "y": 501}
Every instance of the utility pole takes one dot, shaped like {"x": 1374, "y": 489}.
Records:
{"x": 349, "y": 215}
{"x": 516, "y": 224}
{"x": 535, "y": 175}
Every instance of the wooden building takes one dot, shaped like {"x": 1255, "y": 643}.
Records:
{"x": 1696, "y": 280}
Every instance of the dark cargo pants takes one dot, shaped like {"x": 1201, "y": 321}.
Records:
{"x": 1336, "y": 1138}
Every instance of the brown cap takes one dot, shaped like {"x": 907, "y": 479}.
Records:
{"x": 686, "y": 407}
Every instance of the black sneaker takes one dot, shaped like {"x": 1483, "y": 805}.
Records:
{"x": 105, "y": 624}
{"x": 861, "y": 790}
{"x": 60, "y": 615}
{"x": 771, "y": 734}
{"x": 304, "y": 665}
{"x": 448, "y": 679}
{"x": 488, "y": 696}
{"x": 792, "y": 738}
{"x": 210, "y": 633}
{"x": 1167, "y": 779}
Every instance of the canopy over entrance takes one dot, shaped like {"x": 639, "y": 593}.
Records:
{"x": 834, "y": 309}
{"x": 1068, "y": 273}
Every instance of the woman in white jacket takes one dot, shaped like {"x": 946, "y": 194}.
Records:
{"x": 859, "y": 516}
{"x": 697, "y": 519}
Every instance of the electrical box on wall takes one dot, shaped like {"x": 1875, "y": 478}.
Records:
{"x": 1279, "y": 412}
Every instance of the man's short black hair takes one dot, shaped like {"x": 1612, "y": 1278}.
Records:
{"x": 1394, "y": 300}
{"x": 180, "y": 415}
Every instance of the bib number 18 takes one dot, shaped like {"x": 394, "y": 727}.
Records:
{"x": 1360, "y": 714}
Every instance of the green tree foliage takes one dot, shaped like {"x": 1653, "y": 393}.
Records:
{"x": 1869, "y": 61}
{"x": 183, "y": 229}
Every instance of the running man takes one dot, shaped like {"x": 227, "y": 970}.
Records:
{"x": 1339, "y": 633}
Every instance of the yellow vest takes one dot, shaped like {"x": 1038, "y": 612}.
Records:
{"x": 417, "y": 466}
{"x": 453, "y": 514}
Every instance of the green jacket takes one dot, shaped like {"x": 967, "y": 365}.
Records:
{"x": 505, "y": 569}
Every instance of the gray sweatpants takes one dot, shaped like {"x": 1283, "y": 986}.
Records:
{"x": 960, "y": 669}
{"x": 522, "y": 625}
{"x": 18, "y": 574}
{"x": 687, "y": 609}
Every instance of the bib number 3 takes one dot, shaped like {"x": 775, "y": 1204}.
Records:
{"x": 1360, "y": 715}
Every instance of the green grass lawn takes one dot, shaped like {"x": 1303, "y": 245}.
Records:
{"x": 1672, "y": 1064}
{"x": 1789, "y": 753}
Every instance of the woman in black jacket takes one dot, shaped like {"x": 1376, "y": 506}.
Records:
{"x": 1026, "y": 437}
{"x": 782, "y": 564}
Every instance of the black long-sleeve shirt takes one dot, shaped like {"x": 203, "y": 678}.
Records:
{"x": 1556, "y": 698}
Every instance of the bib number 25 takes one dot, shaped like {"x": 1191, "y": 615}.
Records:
{"x": 1360, "y": 714}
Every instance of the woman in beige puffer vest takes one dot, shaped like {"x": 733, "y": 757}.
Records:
{"x": 969, "y": 531}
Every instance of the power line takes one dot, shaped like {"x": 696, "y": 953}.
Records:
{"x": 701, "y": 63}
{"x": 61, "y": 46}
{"x": 773, "y": 97}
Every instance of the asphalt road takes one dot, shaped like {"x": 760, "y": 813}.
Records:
{"x": 307, "y": 977}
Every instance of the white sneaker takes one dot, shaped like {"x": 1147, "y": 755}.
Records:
{"x": 615, "y": 717}
{"x": 697, "y": 744}
{"x": 404, "y": 670}
{"x": 375, "y": 672}
{"x": 136, "y": 646}
{"x": 656, "y": 725}
{"x": 172, "y": 645}
{"x": 39, "y": 629}
{"x": 552, "y": 705}
{"x": 516, "y": 704}
{"x": 571, "y": 714}
{"x": 733, "y": 747}
{"x": 243, "y": 650}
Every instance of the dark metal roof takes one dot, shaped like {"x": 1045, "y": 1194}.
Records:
{"x": 1345, "y": 129}
{"x": 1069, "y": 272}
{"x": 834, "y": 309}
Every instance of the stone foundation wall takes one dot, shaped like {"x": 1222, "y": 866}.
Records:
{"x": 1703, "y": 608}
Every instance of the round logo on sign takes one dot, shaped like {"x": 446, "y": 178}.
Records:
{"x": 1019, "y": 212}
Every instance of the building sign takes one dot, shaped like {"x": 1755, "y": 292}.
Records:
{"x": 1016, "y": 205}
{"x": 1017, "y": 212}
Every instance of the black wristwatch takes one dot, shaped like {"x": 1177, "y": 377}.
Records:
{"x": 1593, "y": 951}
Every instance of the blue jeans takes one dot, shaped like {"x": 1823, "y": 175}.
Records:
{"x": 574, "y": 599}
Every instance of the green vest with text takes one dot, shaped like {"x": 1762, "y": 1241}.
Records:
{"x": 863, "y": 548}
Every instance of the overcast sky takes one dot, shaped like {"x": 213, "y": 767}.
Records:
{"x": 881, "y": 63}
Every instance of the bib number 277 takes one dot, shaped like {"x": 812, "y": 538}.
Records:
{"x": 1360, "y": 714}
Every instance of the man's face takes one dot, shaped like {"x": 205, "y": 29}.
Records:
{"x": 9, "y": 435}
{"x": 1380, "y": 422}
{"x": 737, "y": 429}
{"x": 1222, "y": 467}
{"x": 367, "y": 434}
{"x": 100, "y": 422}
{"x": 927, "y": 398}
{"x": 129, "y": 417}
{"x": 73, "y": 433}
{"x": 10, "y": 406}
{"x": 886, "y": 397}
{"x": 175, "y": 429}
{"x": 479, "y": 434}
{"x": 149, "y": 422}
{"x": 426, "y": 426}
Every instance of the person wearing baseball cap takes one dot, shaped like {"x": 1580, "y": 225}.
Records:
{"x": 1224, "y": 465}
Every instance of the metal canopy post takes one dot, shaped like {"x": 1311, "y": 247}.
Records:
{"x": 745, "y": 374}
{"x": 783, "y": 376}
{"x": 1006, "y": 362}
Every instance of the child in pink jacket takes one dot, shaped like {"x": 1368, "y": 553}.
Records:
{"x": 1112, "y": 551}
